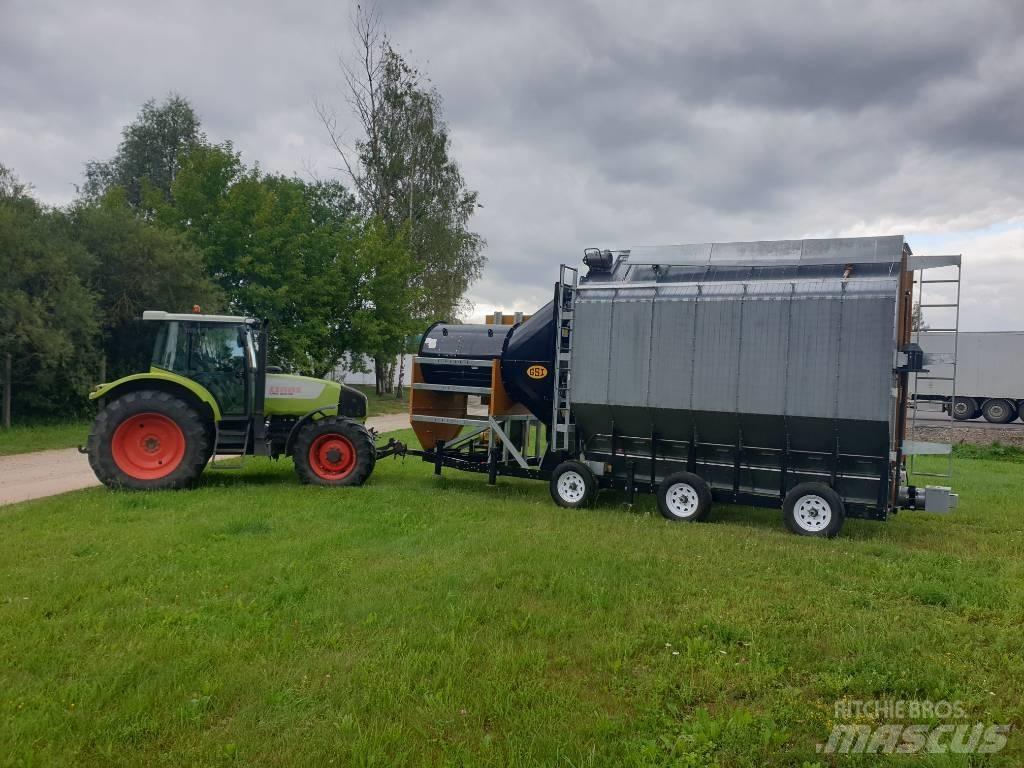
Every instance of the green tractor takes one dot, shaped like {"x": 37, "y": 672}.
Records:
{"x": 209, "y": 392}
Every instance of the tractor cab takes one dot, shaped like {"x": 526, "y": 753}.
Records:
{"x": 219, "y": 352}
{"x": 209, "y": 392}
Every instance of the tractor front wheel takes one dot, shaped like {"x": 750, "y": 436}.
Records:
{"x": 334, "y": 451}
{"x": 148, "y": 440}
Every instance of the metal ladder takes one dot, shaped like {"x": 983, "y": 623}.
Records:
{"x": 941, "y": 358}
{"x": 565, "y": 303}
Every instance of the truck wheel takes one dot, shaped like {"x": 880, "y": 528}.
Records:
{"x": 965, "y": 408}
{"x": 573, "y": 485}
{"x": 813, "y": 509}
{"x": 998, "y": 411}
{"x": 334, "y": 451}
{"x": 683, "y": 496}
{"x": 148, "y": 440}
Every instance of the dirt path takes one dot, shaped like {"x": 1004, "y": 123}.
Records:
{"x": 48, "y": 473}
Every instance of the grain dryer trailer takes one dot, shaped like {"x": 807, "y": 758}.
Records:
{"x": 768, "y": 373}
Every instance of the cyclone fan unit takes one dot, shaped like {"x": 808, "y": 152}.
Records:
{"x": 768, "y": 373}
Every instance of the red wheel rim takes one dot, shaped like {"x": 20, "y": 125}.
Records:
{"x": 332, "y": 457}
{"x": 148, "y": 446}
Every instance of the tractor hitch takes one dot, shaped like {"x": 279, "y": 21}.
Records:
{"x": 392, "y": 448}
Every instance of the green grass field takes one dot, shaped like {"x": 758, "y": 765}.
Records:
{"x": 419, "y": 620}
{"x": 42, "y": 437}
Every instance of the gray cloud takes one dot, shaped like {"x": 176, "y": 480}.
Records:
{"x": 585, "y": 124}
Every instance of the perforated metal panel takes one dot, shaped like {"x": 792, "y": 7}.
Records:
{"x": 630, "y": 347}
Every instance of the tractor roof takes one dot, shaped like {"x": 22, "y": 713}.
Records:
{"x": 156, "y": 314}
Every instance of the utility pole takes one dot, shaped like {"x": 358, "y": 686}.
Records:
{"x": 7, "y": 391}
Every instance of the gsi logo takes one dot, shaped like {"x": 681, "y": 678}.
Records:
{"x": 536, "y": 371}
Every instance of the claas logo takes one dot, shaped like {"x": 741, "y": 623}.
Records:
{"x": 536, "y": 371}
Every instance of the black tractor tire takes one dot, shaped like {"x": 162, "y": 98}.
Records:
{"x": 684, "y": 497}
{"x": 965, "y": 408}
{"x": 999, "y": 411}
{"x": 814, "y": 509}
{"x": 573, "y": 485}
{"x": 334, "y": 451}
{"x": 148, "y": 440}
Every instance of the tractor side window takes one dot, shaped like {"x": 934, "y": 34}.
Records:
{"x": 217, "y": 349}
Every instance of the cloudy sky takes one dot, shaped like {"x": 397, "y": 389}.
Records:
{"x": 589, "y": 124}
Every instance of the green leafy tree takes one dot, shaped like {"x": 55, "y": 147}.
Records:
{"x": 48, "y": 317}
{"x": 136, "y": 266}
{"x": 296, "y": 254}
{"x": 405, "y": 176}
{"x": 149, "y": 155}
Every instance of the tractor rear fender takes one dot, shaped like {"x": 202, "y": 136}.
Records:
{"x": 187, "y": 389}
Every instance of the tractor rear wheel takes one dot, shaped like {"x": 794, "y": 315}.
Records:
{"x": 334, "y": 451}
{"x": 148, "y": 440}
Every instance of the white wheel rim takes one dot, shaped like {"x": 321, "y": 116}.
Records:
{"x": 682, "y": 500}
{"x": 571, "y": 486}
{"x": 812, "y": 513}
{"x": 997, "y": 411}
{"x": 960, "y": 408}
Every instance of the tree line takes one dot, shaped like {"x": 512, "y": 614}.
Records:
{"x": 341, "y": 270}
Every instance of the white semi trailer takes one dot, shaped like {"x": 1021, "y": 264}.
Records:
{"x": 988, "y": 378}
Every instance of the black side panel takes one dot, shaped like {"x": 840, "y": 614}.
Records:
{"x": 528, "y": 362}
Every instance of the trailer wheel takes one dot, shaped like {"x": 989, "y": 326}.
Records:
{"x": 998, "y": 411}
{"x": 684, "y": 497}
{"x": 965, "y": 408}
{"x": 573, "y": 485}
{"x": 334, "y": 451}
{"x": 813, "y": 509}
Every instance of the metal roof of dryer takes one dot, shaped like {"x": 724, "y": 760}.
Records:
{"x": 764, "y": 259}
